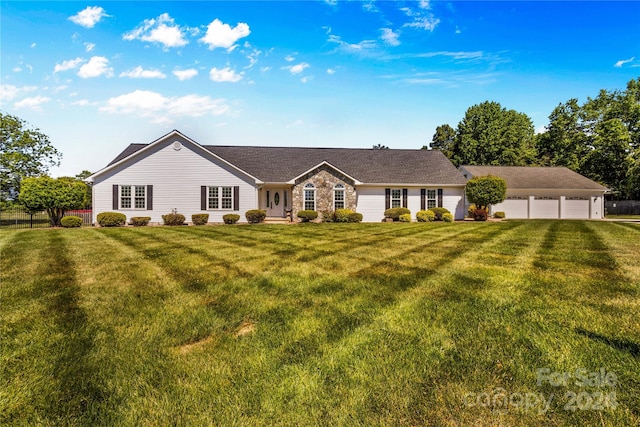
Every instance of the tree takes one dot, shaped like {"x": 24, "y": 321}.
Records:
{"x": 633, "y": 177}
{"x": 491, "y": 135}
{"x": 53, "y": 195}
{"x": 88, "y": 199}
{"x": 484, "y": 191}
{"x": 380, "y": 147}
{"x": 24, "y": 152}
{"x": 443, "y": 140}
{"x": 564, "y": 143}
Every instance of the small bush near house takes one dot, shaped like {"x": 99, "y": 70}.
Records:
{"x": 394, "y": 213}
{"x": 425, "y": 216}
{"x": 255, "y": 216}
{"x": 173, "y": 219}
{"x": 328, "y": 216}
{"x": 139, "y": 221}
{"x": 405, "y": 218}
{"x": 480, "y": 215}
{"x": 231, "y": 218}
{"x": 71, "y": 221}
{"x": 201, "y": 219}
{"x": 307, "y": 215}
{"x": 499, "y": 215}
{"x": 447, "y": 217}
{"x": 355, "y": 217}
{"x": 111, "y": 219}
{"x": 342, "y": 215}
{"x": 439, "y": 212}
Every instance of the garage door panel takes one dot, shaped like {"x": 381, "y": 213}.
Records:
{"x": 545, "y": 208}
{"x": 513, "y": 208}
{"x": 576, "y": 209}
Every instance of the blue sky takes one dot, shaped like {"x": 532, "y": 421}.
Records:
{"x": 96, "y": 76}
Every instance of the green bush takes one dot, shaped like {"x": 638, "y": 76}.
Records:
{"x": 307, "y": 215}
{"x": 173, "y": 219}
{"x": 230, "y": 218}
{"x": 394, "y": 213}
{"x": 439, "y": 212}
{"x": 355, "y": 217}
{"x": 71, "y": 221}
{"x": 342, "y": 215}
{"x": 499, "y": 215}
{"x": 111, "y": 219}
{"x": 480, "y": 215}
{"x": 425, "y": 216}
{"x": 472, "y": 209}
{"x": 201, "y": 219}
{"x": 328, "y": 216}
{"x": 447, "y": 217}
{"x": 139, "y": 221}
{"x": 405, "y": 217}
{"x": 255, "y": 216}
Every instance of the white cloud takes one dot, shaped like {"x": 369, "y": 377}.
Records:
{"x": 88, "y": 47}
{"x": 289, "y": 58}
{"x": 68, "y": 65}
{"x": 33, "y": 103}
{"x": 458, "y": 31}
{"x": 141, "y": 73}
{"x": 185, "y": 74}
{"x": 97, "y": 66}
{"x": 17, "y": 69}
{"x": 265, "y": 69}
{"x": 362, "y": 47}
{"x": 81, "y": 102}
{"x": 160, "y": 30}
{"x": 161, "y": 109}
{"x": 253, "y": 58}
{"x": 306, "y": 79}
{"x": 9, "y": 92}
{"x": 424, "y": 4}
{"x": 331, "y": 71}
{"x": 89, "y": 16}
{"x": 222, "y": 35}
{"x": 224, "y": 75}
{"x": 298, "y": 68}
{"x": 427, "y": 23}
{"x": 620, "y": 63}
{"x": 32, "y": 45}
{"x": 389, "y": 37}
{"x": 370, "y": 6}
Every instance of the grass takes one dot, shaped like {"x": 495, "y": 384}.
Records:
{"x": 318, "y": 324}
{"x": 623, "y": 216}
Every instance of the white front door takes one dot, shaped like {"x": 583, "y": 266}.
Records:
{"x": 276, "y": 200}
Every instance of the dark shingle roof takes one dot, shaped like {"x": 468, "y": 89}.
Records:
{"x": 282, "y": 164}
{"x": 537, "y": 177}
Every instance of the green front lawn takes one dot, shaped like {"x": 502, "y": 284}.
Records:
{"x": 321, "y": 324}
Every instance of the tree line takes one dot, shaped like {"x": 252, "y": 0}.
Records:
{"x": 599, "y": 139}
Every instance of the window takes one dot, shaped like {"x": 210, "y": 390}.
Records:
{"x": 309, "y": 197}
{"x": 133, "y": 196}
{"x": 220, "y": 198}
{"x": 338, "y": 196}
{"x": 432, "y": 201}
{"x": 396, "y": 198}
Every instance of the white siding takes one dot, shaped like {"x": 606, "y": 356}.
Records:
{"x": 370, "y": 203}
{"x": 176, "y": 177}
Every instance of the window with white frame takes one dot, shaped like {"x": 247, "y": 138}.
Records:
{"x": 220, "y": 198}
{"x": 338, "y": 196}
{"x": 432, "y": 200}
{"x": 396, "y": 198}
{"x": 133, "y": 196}
{"x": 309, "y": 197}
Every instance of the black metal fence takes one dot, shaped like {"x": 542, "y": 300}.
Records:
{"x": 16, "y": 217}
{"x": 622, "y": 207}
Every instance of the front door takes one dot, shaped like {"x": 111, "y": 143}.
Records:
{"x": 276, "y": 202}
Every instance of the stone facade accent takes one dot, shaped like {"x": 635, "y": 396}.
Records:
{"x": 324, "y": 179}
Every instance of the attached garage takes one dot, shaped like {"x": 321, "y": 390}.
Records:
{"x": 544, "y": 192}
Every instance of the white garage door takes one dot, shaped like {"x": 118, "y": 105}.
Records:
{"x": 576, "y": 208}
{"x": 545, "y": 207}
{"x": 513, "y": 207}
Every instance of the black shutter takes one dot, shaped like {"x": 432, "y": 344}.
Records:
{"x": 115, "y": 197}
{"x": 439, "y": 197}
{"x": 236, "y": 198}
{"x": 387, "y": 198}
{"x": 203, "y": 198}
{"x": 423, "y": 199}
{"x": 149, "y": 197}
{"x": 404, "y": 197}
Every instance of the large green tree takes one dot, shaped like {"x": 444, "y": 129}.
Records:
{"x": 492, "y": 135}
{"x": 24, "y": 152}
{"x": 52, "y": 195}
{"x": 564, "y": 143}
{"x": 443, "y": 140}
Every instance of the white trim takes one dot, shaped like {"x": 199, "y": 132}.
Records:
{"x": 340, "y": 187}
{"x": 293, "y": 181}
{"x": 308, "y": 187}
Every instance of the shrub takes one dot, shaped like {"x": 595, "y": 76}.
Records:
{"x": 447, "y": 217}
{"x": 499, "y": 214}
{"x": 480, "y": 215}
{"x": 486, "y": 190}
{"x": 394, "y": 213}
{"x": 111, "y": 219}
{"x": 230, "y": 218}
{"x": 307, "y": 215}
{"x": 255, "y": 216}
{"x": 425, "y": 216}
{"x": 328, "y": 216}
{"x": 139, "y": 221}
{"x": 173, "y": 219}
{"x": 405, "y": 217}
{"x": 71, "y": 221}
{"x": 355, "y": 217}
{"x": 438, "y": 212}
{"x": 342, "y": 215}
{"x": 472, "y": 209}
{"x": 202, "y": 219}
